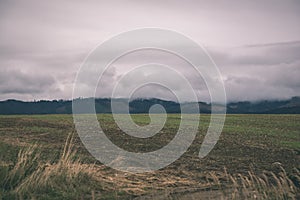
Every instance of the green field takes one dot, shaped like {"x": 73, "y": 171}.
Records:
{"x": 257, "y": 156}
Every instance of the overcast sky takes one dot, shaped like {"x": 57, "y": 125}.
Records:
{"x": 255, "y": 44}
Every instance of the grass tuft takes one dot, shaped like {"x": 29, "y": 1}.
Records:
{"x": 30, "y": 178}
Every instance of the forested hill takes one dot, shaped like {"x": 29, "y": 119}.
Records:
{"x": 291, "y": 106}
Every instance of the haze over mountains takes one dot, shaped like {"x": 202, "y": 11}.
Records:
{"x": 103, "y": 105}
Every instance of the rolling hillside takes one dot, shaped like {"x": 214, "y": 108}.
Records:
{"x": 291, "y": 106}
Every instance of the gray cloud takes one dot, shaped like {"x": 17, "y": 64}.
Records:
{"x": 19, "y": 82}
{"x": 261, "y": 54}
{"x": 265, "y": 71}
{"x": 254, "y": 43}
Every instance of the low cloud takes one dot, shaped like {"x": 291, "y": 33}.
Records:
{"x": 257, "y": 72}
{"x": 19, "y": 82}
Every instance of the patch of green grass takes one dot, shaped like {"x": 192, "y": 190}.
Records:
{"x": 291, "y": 144}
{"x": 8, "y": 153}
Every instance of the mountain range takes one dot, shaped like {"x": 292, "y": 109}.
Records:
{"x": 103, "y": 105}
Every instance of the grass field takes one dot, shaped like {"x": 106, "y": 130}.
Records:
{"x": 257, "y": 157}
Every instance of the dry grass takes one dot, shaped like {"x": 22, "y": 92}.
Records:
{"x": 221, "y": 185}
{"x": 69, "y": 178}
{"x": 30, "y": 177}
{"x": 267, "y": 185}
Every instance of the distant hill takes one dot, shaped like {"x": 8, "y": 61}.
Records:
{"x": 103, "y": 105}
{"x": 291, "y": 106}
